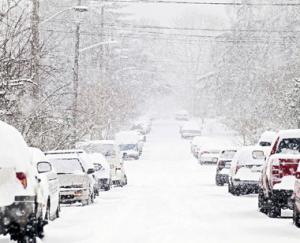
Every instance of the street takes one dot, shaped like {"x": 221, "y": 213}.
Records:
{"x": 169, "y": 198}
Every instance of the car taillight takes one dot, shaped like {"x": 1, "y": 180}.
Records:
{"x": 221, "y": 164}
{"x": 237, "y": 168}
{"x": 21, "y": 176}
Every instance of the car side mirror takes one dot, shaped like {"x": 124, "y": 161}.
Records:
{"x": 44, "y": 167}
{"x": 298, "y": 174}
{"x": 90, "y": 171}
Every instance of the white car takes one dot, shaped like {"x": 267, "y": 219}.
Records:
{"x": 190, "y": 129}
{"x": 49, "y": 182}
{"x": 245, "y": 170}
{"x": 20, "y": 201}
{"x": 129, "y": 144}
{"x": 209, "y": 154}
{"x": 266, "y": 139}
{"x": 110, "y": 149}
{"x": 76, "y": 184}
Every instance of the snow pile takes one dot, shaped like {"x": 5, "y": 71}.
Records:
{"x": 287, "y": 183}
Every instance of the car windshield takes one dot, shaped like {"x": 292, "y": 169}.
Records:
{"x": 124, "y": 147}
{"x": 105, "y": 149}
{"x": 227, "y": 154}
{"x": 66, "y": 165}
{"x": 289, "y": 146}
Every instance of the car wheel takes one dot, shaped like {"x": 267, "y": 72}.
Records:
{"x": 274, "y": 211}
{"x": 27, "y": 239}
{"x": 296, "y": 216}
{"x": 57, "y": 211}
{"x": 261, "y": 203}
{"x": 48, "y": 211}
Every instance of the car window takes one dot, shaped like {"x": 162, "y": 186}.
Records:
{"x": 258, "y": 154}
{"x": 127, "y": 146}
{"x": 289, "y": 146}
{"x": 227, "y": 154}
{"x": 66, "y": 165}
{"x": 264, "y": 144}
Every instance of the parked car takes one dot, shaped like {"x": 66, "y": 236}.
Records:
{"x": 20, "y": 190}
{"x": 129, "y": 144}
{"x": 182, "y": 115}
{"x": 74, "y": 178}
{"x": 278, "y": 175}
{"x": 102, "y": 171}
{"x": 266, "y": 139}
{"x": 190, "y": 130}
{"x": 209, "y": 154}
{"x": 223, "y": 165}
{"x": 245, "y": 170}
{"x": 49, "y": 182}
{"x": 109, "y": 148}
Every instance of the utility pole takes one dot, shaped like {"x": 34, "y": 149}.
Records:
{"x": 35, "y": 47}
{"x": 76, "y": 78}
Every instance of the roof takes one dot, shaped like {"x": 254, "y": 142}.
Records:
{"x": 267, "y": 136}
{"x": 290, "y": 133}
{"x": 70, "y": 151}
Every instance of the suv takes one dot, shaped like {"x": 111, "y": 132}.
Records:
{"x": 278, "y": 175}
{"x": 245, "y": 170}
{"x": 76, "y": 184}
{"x": 20, "y": 190}
{"x": 223, "y": 165}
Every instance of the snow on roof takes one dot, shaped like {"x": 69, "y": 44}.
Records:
{"x": 244, "y": 154}
{"x": 291, "y": 133}
{"x": 267, "y": 136}
{"x": 13, "y": 149}
{"x": 65, "y": 151}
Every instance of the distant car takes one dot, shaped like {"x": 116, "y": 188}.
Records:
{"x": 129, "y": 144}
{"x": 245, "y": 170}
{"x": 182, "y": 115}
{"x": 266, "y": 139}
{"x": 223, "y": 165}
{"x": 20, "y": 191}
{"x": 110, "y": 149}
{"x": 190, "y": 130}
{"x": 49, "y": 180}
{"x": 208, "y": 154}
{"x": 74, "y": 178}
{"x": 278, "y": 176}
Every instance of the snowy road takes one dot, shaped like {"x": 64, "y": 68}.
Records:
{"x": 170, "y": 198}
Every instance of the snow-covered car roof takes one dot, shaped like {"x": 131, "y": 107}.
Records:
{"x": 66, "y": 151}
{"x": 13, "y": 149}
{"x": 267, "y": 136}
{"x": 290, "y": 133}
{"x": 245, "y": 155}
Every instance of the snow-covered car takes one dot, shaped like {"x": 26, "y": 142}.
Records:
{"x": 209, "y": 154}
{"x": 223, "y": 165}
{"x": 102, "y": 171}
{"x": 182, "y": 115}
{"x": 190, "y": 130}
{"x": 74, "y": 177}
{"x": 49, "y": 182}
{"x": 110, "y": 150}
{"x": 278, "y": 176}
{"x": 129, "y": 144}
{"x": 266, "y": 138}
{"x": 20, "y": 191}
{"x": 245, "y": 170}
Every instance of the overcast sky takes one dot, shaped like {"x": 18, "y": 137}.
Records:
{"x": 165, "y": 13}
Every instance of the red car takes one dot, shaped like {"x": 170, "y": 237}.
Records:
{"x": 278, "y": 175}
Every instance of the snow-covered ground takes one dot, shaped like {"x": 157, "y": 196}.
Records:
{"x": 170, "y": 198}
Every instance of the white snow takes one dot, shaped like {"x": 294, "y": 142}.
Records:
{"x": 287, "y": 183}
{"x": 170, "y": 198}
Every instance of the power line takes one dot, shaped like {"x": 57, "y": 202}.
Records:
{"x": 205, "y": 3}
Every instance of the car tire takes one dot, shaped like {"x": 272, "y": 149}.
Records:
{"x": 48, "y": 211}
{"x": 274, "y": 211}
{"x": 27, "y": 239}
{"x": 296, "y": 217}
{"x": 57, "y": 213}
{"x": 261, "y": 203}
